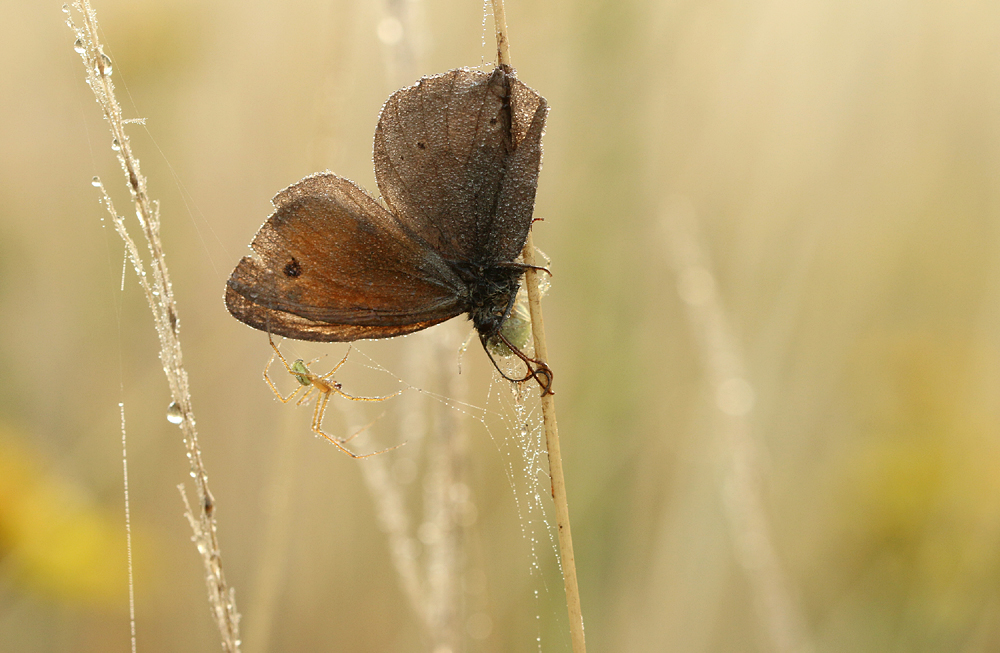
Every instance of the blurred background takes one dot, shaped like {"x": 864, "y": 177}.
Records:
{"x": 774, "y": 321}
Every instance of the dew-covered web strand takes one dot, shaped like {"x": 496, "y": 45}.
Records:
{"x": 128, "y": 527}
{"x": 185, "y": 196}
{"x": 477, "y": 413}
{"x": 522, "y": 452}
{"x": 528, "y": 479}
{"x": 117, "y": 305}
{"x": 524, "y": 426}
{"x": 188, "y": 200}
{"x": 523, "y": 457}
{"x": 524, "y": 430}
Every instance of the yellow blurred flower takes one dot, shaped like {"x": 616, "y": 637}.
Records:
{"x": 54, "y": 541}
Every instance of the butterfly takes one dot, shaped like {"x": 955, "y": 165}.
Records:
{"x": 457, "y": 158}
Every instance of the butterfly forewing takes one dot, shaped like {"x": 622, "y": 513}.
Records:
{"x": 332, "y": 264}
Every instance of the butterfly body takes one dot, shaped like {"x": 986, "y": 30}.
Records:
{"x": 491, "y": 294}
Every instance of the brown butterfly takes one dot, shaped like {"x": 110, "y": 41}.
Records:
{"x": 456, "y": 157}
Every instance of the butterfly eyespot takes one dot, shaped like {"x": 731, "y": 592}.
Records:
{"x": 293, "y": 269}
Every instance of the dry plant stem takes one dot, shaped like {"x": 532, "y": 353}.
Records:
{"x": 555, "y": 463}
{"x": 500, "y": 26}
{"x": 159, "y": 296}
{"x": 548, "y": 401}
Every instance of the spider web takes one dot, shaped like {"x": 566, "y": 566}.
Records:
{"x": 416, "y": 524}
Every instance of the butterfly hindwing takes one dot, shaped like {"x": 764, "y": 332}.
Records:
{"x": 457, "y": 159}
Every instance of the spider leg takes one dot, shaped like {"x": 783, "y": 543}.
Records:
{"x": 317, "y": 427}
{"x": 362, "y": 430}
{"x": 278, "y": 353}
{"x": 336, "y": 388}
{"x": 307, "y": 394}
{"x": 336, "y": 367}
{"x": 324, "y": 386}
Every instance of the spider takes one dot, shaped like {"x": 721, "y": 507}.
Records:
{"x": 325, "y": 386}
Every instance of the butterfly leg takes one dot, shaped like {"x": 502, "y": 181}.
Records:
{"x": 537, "y": 369}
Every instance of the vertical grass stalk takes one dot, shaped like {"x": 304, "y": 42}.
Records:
{"x": 548, "y": 401}
{"x": 743, "y": 494}
{"x": 429, "y": 571}
{"x": 159, "y": 295}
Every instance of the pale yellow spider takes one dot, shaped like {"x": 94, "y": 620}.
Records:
{"x": 325, "y": 386}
